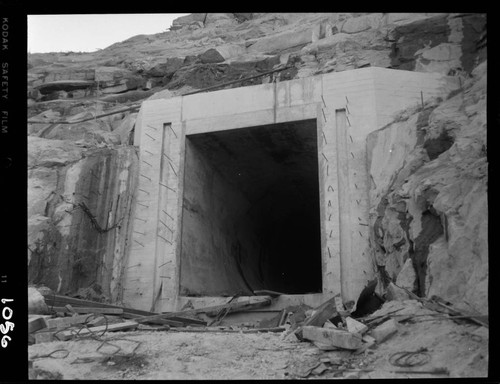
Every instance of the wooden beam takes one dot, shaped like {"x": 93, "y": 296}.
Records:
{"x": 63, "y": 322}
{"x": 104, "y": 311}
{"x": 215, "y": 330}
{"x": 234, "y": 307}
{"x": 67, "y": 335}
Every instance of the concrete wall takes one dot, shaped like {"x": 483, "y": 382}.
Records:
{"x": 368, "y": 98}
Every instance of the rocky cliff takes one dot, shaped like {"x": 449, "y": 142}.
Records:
{"x": 428, "y": 168}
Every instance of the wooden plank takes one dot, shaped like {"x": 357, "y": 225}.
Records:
{"x": 129, "y": 313}
{"x": 334, "y": 337}
{"x": 60, "y": 300}
{"x": 234, "y": 307}
{"x": 104, "y": 311}
{"x": 63, "y": 322}
{"x": 67, "y": 335}
{"x": 215, "y": 330}
{"x": 268, "y": 293}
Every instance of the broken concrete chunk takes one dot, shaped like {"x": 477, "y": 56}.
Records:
{"x": 334, "y": 337}
{"x": 384, "y": 331}
{"x": 355, "y": 326}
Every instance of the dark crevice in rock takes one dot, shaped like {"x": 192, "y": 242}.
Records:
{"x": 422, "y": 124}
{"x": 437, "y": 146}
{"x": 432, "y": 229}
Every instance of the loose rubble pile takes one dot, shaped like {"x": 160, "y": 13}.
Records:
{"x": 346, "y": 344}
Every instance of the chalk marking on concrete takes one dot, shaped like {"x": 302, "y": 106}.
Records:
{"x": 165, "y": 263}
{"x": 170, "y": 126}
{"x": 166, "y": 226}
{"x": 164, "y": 239}
{"x": 138, "y": 242}
{"x": 173, "y": 169}
{"x": 166, "y": 186}
{"x": 167, "y": 214}
{"x": 324, "y": 136}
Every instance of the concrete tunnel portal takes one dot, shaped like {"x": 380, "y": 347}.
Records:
{"x": 260, "y": 187}
{"x": 251, "y": 211}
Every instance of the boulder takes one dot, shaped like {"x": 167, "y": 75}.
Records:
{"x": 167, "y": 68}
{"x": 222, "y": 53}
{"x": 36, "y": 302}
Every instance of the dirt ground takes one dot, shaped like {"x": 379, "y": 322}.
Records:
{"x": 460, "y": 350}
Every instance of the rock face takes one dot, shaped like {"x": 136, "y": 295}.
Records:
{"x": 75, "y": 195}
{"x": 428, "y": 168}
{"x": 429, "y": 197}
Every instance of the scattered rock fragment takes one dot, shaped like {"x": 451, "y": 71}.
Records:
{"x": 384, "y": 331}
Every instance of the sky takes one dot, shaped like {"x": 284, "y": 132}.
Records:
{"x": 88, "y": 33}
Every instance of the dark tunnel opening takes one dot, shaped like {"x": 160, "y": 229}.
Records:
{"x": 251, "y": 214}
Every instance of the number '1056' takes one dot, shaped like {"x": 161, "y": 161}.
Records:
{"x": 8, "y": 326}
